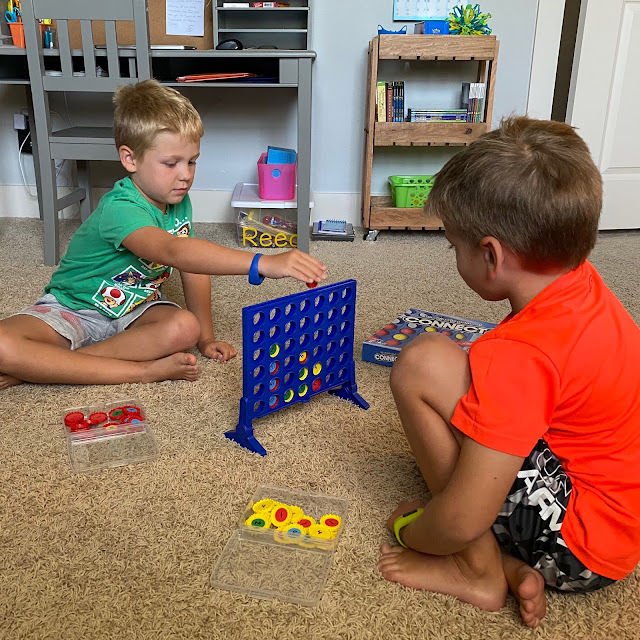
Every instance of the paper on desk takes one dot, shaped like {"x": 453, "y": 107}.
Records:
{"x": 185, "y": 17}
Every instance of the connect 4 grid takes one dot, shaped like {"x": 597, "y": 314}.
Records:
{"x": 294, "y": 348}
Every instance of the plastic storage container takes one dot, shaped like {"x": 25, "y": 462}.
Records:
{"x": 410, "y": 191}
{"x": 109, "y": 435}
{"x": 272, "y": 562}
{"x": 277, "y": 181}
{"x": 264, "y": 223}
{"x": 432, "y": 27}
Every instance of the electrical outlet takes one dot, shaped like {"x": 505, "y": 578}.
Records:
{"x": 21, "y": 125}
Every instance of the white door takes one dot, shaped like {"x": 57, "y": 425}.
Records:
{"x": 604, "y": 100}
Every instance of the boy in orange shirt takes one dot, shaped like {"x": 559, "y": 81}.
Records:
{"x": 530, "y": 444}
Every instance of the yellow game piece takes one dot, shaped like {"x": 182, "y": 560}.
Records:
{"x": 320, "y": 531}
{"x": 280, "y": 536}
{"x": 260, "y": 520}
{"x": 296, "y": 513}
{"x": 305, "y": 521}
{"x": 280, "y": 515}
{"x": 332, "y": 521}
{"x": 263, "y": 505}
{"x": 292, "y": 533}
{"x": 306, "y": 541}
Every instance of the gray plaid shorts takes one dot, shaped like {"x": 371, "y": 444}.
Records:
{"x": 530, "y": 522}
{"x": 83, "y": 327}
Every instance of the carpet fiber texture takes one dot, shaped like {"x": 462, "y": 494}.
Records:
{"x": 128, "y": 552}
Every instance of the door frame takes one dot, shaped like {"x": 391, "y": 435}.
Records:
{"x": 544, "y": 63}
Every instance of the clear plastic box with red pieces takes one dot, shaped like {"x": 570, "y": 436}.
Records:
{"x": 108, "y": 435}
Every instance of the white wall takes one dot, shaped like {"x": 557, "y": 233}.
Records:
{"x": 240, "y": 123}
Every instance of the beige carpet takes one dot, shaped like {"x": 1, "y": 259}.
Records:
{"x": 127, "y": 553}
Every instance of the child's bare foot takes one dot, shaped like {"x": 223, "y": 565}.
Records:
{"x": 178, "y": 366}
{"x": 444, "y": 574}
{"x": 527, "y": 586}
{"x": 7, "y": 381}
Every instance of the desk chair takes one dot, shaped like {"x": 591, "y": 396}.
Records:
{"x": 77, "y": 143}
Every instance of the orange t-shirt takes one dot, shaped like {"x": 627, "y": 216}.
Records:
{"x": 567, "y": 369}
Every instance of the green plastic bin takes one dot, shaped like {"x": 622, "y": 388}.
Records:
{"x": 410, "y": 191}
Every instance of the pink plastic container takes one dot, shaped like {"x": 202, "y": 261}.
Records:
{"x": 276, "y": 181}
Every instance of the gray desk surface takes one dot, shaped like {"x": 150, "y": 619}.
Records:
{"x": 291, "y": 68}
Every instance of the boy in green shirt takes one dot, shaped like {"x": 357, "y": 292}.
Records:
{"x": 103, "y": 318}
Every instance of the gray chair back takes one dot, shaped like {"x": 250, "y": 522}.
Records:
{"x": 88, "y": 11}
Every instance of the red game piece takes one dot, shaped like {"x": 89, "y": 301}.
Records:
{"x": 312, "y": 285}
{"x": 83, "y": 425}
{"x": 98, "y": 417}
{"x": 73, "y": 418}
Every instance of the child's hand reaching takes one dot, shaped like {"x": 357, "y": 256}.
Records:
{"x": 295, "y": 264}
{"x": 217, "y": 350}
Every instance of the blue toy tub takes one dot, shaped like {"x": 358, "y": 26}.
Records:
{"x": 383, "y": 31}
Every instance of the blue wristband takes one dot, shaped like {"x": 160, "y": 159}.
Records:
{"x": 254, "y": 275}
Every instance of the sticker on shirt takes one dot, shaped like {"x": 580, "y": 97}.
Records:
{"x": 183, "y": 229}
{"x": 138, "y": 300}
{"x": 156, "y": 282}
{"x": 113, "y": 300}
{"x": 130, "y": 277}
{"x": 155, "y": 266}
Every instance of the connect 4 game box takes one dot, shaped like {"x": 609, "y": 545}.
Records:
{"x": 384, "y": 346}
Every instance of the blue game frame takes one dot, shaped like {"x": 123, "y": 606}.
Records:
{"x": 294, "y": 348}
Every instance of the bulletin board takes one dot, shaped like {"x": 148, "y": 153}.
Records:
{"x": 157, "y": 29}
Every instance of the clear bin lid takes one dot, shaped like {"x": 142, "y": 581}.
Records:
{"x": 248, "y": 195}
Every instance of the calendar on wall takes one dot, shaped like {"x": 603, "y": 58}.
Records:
{"x": 422, "y": 9}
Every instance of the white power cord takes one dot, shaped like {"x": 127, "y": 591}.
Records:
{"x": 24, "y": 179}
{"x": 58, "y": 168}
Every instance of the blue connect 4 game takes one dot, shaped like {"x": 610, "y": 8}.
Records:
{"x": 294, "y": 348}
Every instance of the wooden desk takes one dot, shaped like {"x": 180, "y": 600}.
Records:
{"x": 285, "y": 68}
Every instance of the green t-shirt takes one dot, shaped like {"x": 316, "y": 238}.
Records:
{"x": 98, "y": 272}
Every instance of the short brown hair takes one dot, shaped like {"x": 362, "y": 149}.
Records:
{"x": 531, "y": 184}
{"x": 145, "y": 109}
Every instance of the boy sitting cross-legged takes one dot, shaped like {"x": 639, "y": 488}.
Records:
{"x": 530, "y": 445}
{"x": 103, "y": 318}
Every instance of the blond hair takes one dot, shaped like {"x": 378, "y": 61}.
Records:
{"x": 145, "y": 109}
{"x": 531, "y": 184}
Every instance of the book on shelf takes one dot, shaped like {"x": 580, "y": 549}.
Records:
{"x": 473, "y": 99}
{"x": 390, "y": 101}
{"x": 398, "y": 103}
{"x": 381, "y": 102}
{"x": 436, "y": 115}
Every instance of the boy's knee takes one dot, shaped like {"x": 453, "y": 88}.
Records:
{"x": 184, "y": 330}
{"x": 428, "y": 358}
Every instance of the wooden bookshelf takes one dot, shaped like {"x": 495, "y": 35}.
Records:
{"x": 426, "y": 134}
{"x": 378, "y": 212}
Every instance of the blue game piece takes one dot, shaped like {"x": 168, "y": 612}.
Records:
{"x": 314, "y": 340}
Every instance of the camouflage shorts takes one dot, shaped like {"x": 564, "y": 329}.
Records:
{"x": 530, "y": 521}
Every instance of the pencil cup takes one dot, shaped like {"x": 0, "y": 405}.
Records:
{"x": 17, "y": 33}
